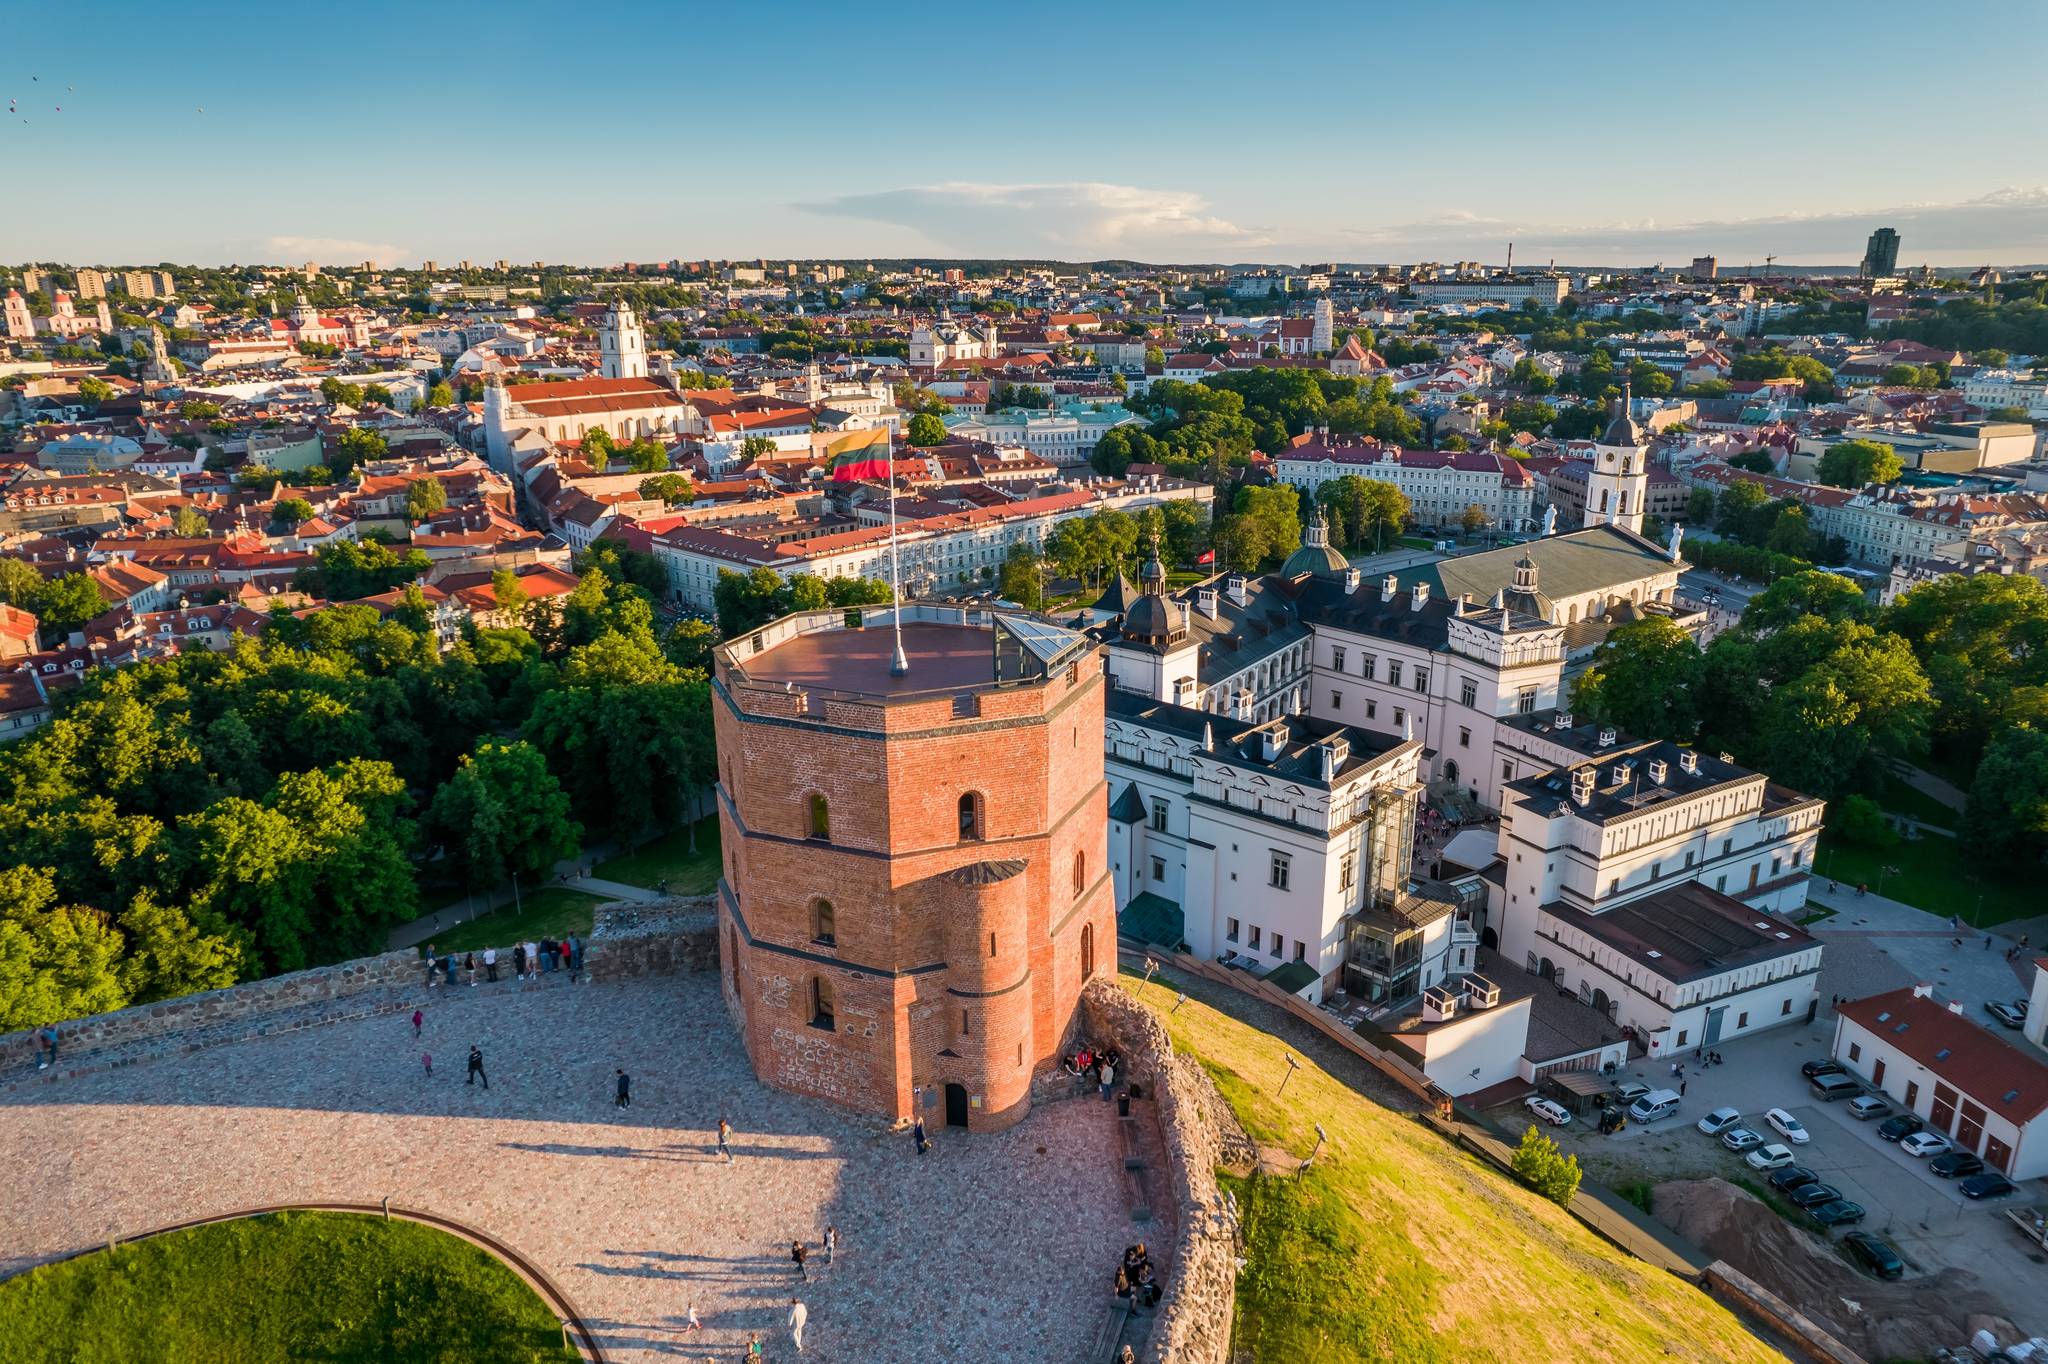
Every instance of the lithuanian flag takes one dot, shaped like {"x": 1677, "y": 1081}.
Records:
{"x": 862, "y": 454}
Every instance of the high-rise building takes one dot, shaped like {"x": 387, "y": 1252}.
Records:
{"x": 430, "y": 266}
{"x": 33, "y": 279}
{"x": 916, "y": 883}
{"x": 1704, "y": 267}
{"x": 91, "y": 284}
{"x": 146, "y": 283}
{"x": 1881, "y": 257}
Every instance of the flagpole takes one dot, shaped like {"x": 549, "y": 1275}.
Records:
{"x": 901, "y": 664}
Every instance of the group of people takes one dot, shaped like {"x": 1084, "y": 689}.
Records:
{"x": 1135, "y": 1282}
{"x": 530, "y": 961}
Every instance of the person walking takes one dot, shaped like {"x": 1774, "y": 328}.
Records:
{"x": 724, "y": 1140}
{"x": 753, "y": 1345}
{"x": 469, "y": 968}
{"x": 917, "y": 1135}
{"x": 800, "y": 1254}
{"x": 49, "y": 1048}
{"x": 1108, "y": 1079}
{"x": 427, "y": 1062}
{"x": 831, "y": 1242}
{"x": 572, "y": 957}
{"x": 490, "y": 963}
{"x": 433, "y": 961}
{"x": 690, "y": 1322}
{"x": 476, "y": 1067}
{"x": 1681, "y": 1089}
{"x": 417, "y": 1018}
{"x": 624, "y": 1098}
{"x": 533, "y": 960}
{"x": 519, "y": 962}
{"x": 799, "y": 1315}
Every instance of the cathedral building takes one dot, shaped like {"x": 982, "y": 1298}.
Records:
{"x": 623, "y": 400}
{"x": 916, "y": 882}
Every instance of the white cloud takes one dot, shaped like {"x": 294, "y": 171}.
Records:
{"x": 1076, "y": 220}
{"x": 335, "y": 251}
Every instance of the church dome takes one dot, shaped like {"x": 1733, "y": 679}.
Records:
{"x": 1624, "y": 430}
{"x": 1149, "y": 619}
{"x": 1315, "y": 555}
{"x": 1524, "y": 596}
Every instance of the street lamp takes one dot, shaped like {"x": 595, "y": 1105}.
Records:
{"x": 1182, "y": 998}
{"x": 1292, "y": 1066}
{"x": 1321, "y": 1137}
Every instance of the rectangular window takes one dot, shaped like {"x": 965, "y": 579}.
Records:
{"x": 1281, "y": 865}
{"x": 1158, "y": 869}
{"x": 1400, "y": 716}
{"x": 1421, "y": 678}
{"x": 1230, "y": 930}
{"x": 1393, "y": 672}
{"x": 1727, "y": 846}
{"x": 1464, "y": 737}
{"x": 1614, "y": 885}
{"x": 1368, "y": 664}
{"x": 1158, "y": 815}
{"x": 1300, "y": 950}
{"x": 1525, "y": 701}
{"x": 1721, "y": 884}
{"x": 1279, "y": 946}
{"x": 1681, "y": 1037}
{"x": 1253, "y": 938}
{"x": 1855, "y": 1051}
{"x": 1468, "y": 693}
{"x": 1774, "y": 866}
{"x": 1347, "y": 871}
{"x": 1336, "y": 700}
{"x": 1337, "y": 659}
{"x": 1507, "y": 771}
{"x": 1741, "y": 1021}
{"x": 1372, "y": 710}
{"x": 1784, "y": 1007}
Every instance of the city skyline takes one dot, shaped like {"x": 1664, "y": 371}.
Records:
{"x": 266, "y": 138}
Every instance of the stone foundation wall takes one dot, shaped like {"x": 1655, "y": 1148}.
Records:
{"x": 659, "y": 938}
{"x": 233, "y": 1014}
{"x": 1194, "y": 1319}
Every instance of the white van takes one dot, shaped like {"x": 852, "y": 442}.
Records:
{"x": 1658, "y": 1103}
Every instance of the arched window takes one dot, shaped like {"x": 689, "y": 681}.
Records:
{"x": 822, "y": 926}
{"x": 821, "y": 1004}
{"x": 821, "y": 818}
{"x": 1080, "y": 872}
{"x": 1450, "y": 771}
{"x": 1087, "y": 950}
{"x": 970, "y": 816}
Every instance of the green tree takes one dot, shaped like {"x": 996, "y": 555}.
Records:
{"x": 509, "y": 593}
{"x": 1023, "y": 577}
{"x": 355, "y": 447}
{"x": 502, "y": 813}
{"x": 290, "y": 511}
{"x": 757, "y": 447}
{"x": 1370, "y": 512}
{"x": 690, "y": 642}
{"x": 1473, "y": 519}
{"x": 95, "y": 391}
{"x": 1859, "y": 463}
{"x": 1735, "y": 506}
{"x": 1828, "y": 596}
{"x": 1699, "y": 507}
{"x": 669, "y": 489}
{"x": 67, "y": 603}
{"x": 597, "y": 446}
{"x": 1860, "y": 820}
{"x": 1983, "y": 640}
{"x": 1644, "y": 679}
{"x": 2007, "y": 817}
{"x": 56, "y": 961}
{"x": 926, "y": 430}
{"x": 645, "y": 456}
{"x": 20, "y": 584}
{"x": 377, "y": 393}
{"x": 1276, "y": 510}
{"x": 190, "y": 523}
{"x": 1791, "y": 533}
{"x": 1539, "y": 1164}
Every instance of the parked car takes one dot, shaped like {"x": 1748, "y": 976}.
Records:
{"x": 1658, "y": 1103}
{"x": 1839, "y": 1213}
{"x": 1550, "y": 1111}
{"x": 1868, "y": 1107}
{"x": 1834, "y": 1085}
{"x": 1956, "y": 1164}
{"x": 1812, "y": 1195}
{"x": 1772, "y": 1157}
{"x": 1788, "y": 1127}
{"x": 1740, "y": 1139}
{"x": 1813, "y": 1068}
{"x": 1792, "y": 1176}
{"x": 1631, "y": 1090}
{"x": 1990, "y": 1184}
{"x": 1900, "y": 1126}
{"x": 1720, "y": 1120}
{"x": 1874, "y": 1255}
{"x": 1924, "y": 1144}
{"x": 2013, "y": 1015}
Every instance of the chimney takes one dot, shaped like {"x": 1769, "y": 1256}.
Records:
{"x": 1234, "y": 585}
{"x": 1334, "y": 752}
{"x": 1607, "y": 736}
{"x": 1351, "y": 581}
{"x": 1272, "y": 739}
{"x": 1419, "y": 597}
{"x": 1621, "y": 772}
{"x": 1388, "y": 586}
{"x": 1205, "y": 601}
{"x": 1955, "y": 1006}
{"x": 1582, "y": 786}
{"x": 1659, "y": 769}
{"x": 1563, "y": 721}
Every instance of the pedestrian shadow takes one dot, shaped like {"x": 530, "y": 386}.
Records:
{"x": 563, "y": 1148}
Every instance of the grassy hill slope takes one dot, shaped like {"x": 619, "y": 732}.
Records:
{"x": 1398, "y": 1247}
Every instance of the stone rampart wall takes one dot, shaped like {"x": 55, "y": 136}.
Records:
{"x": 660, "y": 938}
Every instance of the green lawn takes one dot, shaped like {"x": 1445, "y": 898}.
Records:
{"x": 292, "y": 1286}
{"x": 1901, "y": 799}
{"x": 548, "y": 913}
{"x": 668, "y": 858}
{"x": 1396, "y": 1246}
{"x": 1933, "y": 874}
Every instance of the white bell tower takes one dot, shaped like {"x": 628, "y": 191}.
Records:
{"x": 1619, "y": 483}
{"x": 621, "y": 346}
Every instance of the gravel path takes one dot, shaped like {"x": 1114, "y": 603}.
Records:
{"x": 985, "y": 1249}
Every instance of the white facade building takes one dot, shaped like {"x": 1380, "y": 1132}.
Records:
{"x": 1439, "y": 484}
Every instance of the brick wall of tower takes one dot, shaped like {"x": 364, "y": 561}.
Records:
{"x": 954, "y": 961}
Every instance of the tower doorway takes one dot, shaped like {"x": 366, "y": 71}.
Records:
{"x": 956, "y": 1105}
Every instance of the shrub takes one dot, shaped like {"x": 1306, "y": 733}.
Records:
{"x": 1862, "y": 822}
{"x": 1539, "y": 1164}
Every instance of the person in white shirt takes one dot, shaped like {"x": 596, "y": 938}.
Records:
{"x": 798, "y": 1315}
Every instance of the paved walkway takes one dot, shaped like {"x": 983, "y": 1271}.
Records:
{"x": 991, "y": 1248}
{"x": 413, "y": 932}
{"x": 1876, "y": 944}
{"x": 1927, "y": 784}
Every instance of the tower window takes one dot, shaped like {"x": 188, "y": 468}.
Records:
{"x": 970, "y": 816}
{"x": 823, "y": 928}
{"x": 821, "y": 1004}
{"x": 820, "y": 818}
{"x": 1080, "y": 872}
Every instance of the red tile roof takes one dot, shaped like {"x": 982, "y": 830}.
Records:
{"x": 1963, "y": 1055}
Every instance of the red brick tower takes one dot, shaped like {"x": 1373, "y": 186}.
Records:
{"x": 916, "y": 872}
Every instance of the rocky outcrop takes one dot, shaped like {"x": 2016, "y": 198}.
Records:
{"x": 660, "y": 937}
{"x": 1194, "y": 1318}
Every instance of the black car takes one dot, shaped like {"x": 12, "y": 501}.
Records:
{"x": 1792, "y": 1177}
{"x": 1814, "y": 1068}
{"x": 1813, "y": 1195}
{"x": 1956, "y": 1163}
{"x": 1839, "y": 1213}
{"x": 1874, "y": 1255}
{"x": 1990, "y": 1184}
{"x": 1904, "y": 1125}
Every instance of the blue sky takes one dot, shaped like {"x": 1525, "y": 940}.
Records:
{"x": 1585, "y": 132}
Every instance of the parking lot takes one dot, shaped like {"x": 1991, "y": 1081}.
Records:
{"x": 1930, "y": 1223}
